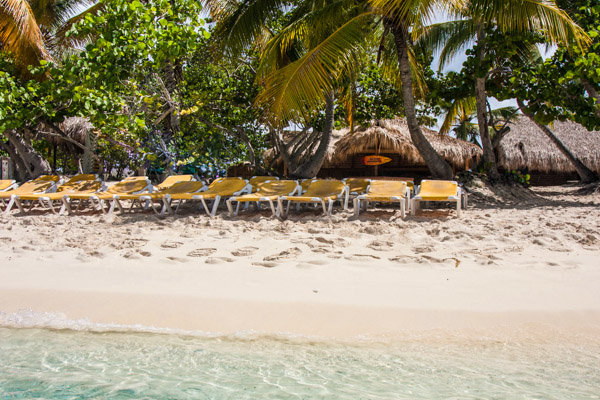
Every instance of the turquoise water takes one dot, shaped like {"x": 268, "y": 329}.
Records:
{"x": 66, "y": 364}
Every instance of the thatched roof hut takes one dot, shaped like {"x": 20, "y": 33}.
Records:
{"x": 389, "y": 138}
{"x": 527, "y": 148}
{"x": 393, "y": 137}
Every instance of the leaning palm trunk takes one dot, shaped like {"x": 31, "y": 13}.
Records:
{"x": 585, "y": 174}
{"x": 438, "y": 167}
{"x": 301, "y": 160}
{"x": 30, "y": 164}
{"x": 489, "y": 157}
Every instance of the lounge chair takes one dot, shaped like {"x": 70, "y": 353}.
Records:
{"x": 126, "y": 186}
{"x": 43, "y": 184}
{"x": 157, "y": 196}
{"x": 160, "y": 190}
{"x": 385, "y": 192}
{"x": 437, "y": 191}
{"x": 171, "y": 180}
{"x": 7, "y": 184}
{"x": 255, "y": 181}
{"x": 322, "y": 191}
{"x": 268, "y": 191}
{"x": 83, "y": 183}
{"x": 356, "y": 187}
{"x": 222, "y": 187}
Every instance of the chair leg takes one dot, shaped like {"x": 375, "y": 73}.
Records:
{"x": 230, "y": 207}
{"x": 167, "y": 205}
{"x": 272, "y": 207}
{"x": 356, "y": 202}
{"x": 237, "y": 208}
{"x": 402, "y": 208}
{"x": 413, "y": 209}
{"x": 215, "y": 205}
{"x": 458, "y": 207}
{"x": 330, "y": 209}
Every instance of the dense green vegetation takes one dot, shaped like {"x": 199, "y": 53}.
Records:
{"x": 162, "y": 90}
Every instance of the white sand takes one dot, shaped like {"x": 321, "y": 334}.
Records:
{"x": 533, "y": 264}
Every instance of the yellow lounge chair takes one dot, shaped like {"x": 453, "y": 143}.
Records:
{"x": 255, "y": 181}
{"x": 356, "y": 187}
{"x": 222, "y": 187}
{"x": 319, "y": 191}
{"x": 386, "y": 192}
{"x": 267, "y": 191}
{"x": 158, "y": 196}
{"x": 43, "y": 184}
{"x": 171, "y": 180}
{"x": 83, "y": 183}
{"x": 437, "y": 191}
{"x": 160, "y": 188}
{"x": 126, "y": 186}
{"x": 7, "y": 184}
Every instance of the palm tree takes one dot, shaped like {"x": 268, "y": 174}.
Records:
{"x": 329, "y": 37}
{"x": 31, "y": 29}
{"x": 476, "y": 19}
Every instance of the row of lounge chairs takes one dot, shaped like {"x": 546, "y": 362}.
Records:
{"x": 87, "y": 190}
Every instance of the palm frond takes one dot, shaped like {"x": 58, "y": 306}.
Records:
{"x": 460, "y": 110}
{"x": 20, "y": 34}
{"x": 60, "y": 40}
{"x": 452, "y": 37}
{"x": 304, "y": 32}
{"x": 299, "y": 88}
{"x": 239, "y": 25}
{"x": 542, "y": 16}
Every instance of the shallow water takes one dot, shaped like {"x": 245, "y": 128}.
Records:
{"x": 67, "y": 364}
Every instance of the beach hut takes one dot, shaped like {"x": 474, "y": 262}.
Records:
{"x": 390, "y": 139}
{"x": 527, "y": 149}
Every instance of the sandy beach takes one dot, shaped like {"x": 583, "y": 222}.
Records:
{"x": 512, "y": 265}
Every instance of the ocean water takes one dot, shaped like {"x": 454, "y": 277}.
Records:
{"x": 42, "y": 363}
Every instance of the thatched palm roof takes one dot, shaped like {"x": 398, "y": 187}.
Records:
{"x": 526, "y": 146}
{"x": 76, "y": 128}
{"x": 393, "y": 136}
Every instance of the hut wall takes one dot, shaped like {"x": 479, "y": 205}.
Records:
{"x": 541, "y": 178}
{"x": 353, "y": 166}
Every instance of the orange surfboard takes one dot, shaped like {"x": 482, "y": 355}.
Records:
{"x": 375, "y": 160}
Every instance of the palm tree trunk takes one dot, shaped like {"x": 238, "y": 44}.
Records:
{"x": 585, "y": 174}
{"x": 489, "y": 157}
{"x": 438, "y": 167}
{"x": 310, "y": 168}
{"x": 593, "y": 93}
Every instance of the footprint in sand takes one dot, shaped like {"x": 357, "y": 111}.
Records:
{"x": 362, "y": 257}
{"x": 218, "y": 260}
{"x": 380, "y": 245}
{"x": 403, "y": 259}
{"x": 422, "y": 249}
{"x": 177, "y": 259}
{"x": 244, "y": 251}
{"x": 284, "y": 255}
{"x": 95, "y": 253}
{"x": 202, "y": 252}
{"x": 129, "y": 244}
{"x": 265, "y": 264}
{"x": 170, "y": 244}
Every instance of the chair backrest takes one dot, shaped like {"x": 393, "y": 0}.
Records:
{"x": 83, "y": 177}
{"x": 438, "y": 188}
{"x": 183, "y": 187}
{"x": 135, "y": 178}
{"x": 171, "y": 180}
{"x": 34, "y": 186}
{"x": 305, "y": 183}
{"x": 88, "y": 186}
{"x": 323, "y": 188}
{"x": 6, "y": 183}
{"x": 226, "y": 186}
{"x": 387, "y": 188}
{"x": 46, "y": 178}
{"x": 257, "y": 180}
{"x": 128, "y": 186}
{"x": 277, "y": 188}
{"x": 225, "y": 179}
{"x": 357, "y": 185}
{"x": 75, "y": 182}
